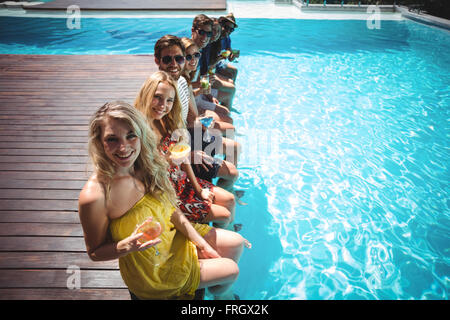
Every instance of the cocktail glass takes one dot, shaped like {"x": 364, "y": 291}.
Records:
{"x": 206, "y": 122}
{"x": 151, "y": 230}
{"x": 204, "y": 83}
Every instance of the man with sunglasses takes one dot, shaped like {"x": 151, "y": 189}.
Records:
{"x": 228, "y": 24}
{"x": 169, "y": 56}
{"x": 201, "y": 30}
{"x": 202, "y": 35}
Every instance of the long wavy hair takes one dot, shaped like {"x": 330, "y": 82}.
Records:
{"x": 151, "y": 166}
{"x": 173, "y": 120}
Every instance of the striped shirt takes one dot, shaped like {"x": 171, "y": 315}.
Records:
{"x": 183, "y": 92}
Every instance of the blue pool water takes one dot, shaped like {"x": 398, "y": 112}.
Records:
{"x": 346, "y": 155}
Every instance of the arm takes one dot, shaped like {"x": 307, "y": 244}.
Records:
{"x": 201, "y": 160}
{"x": 186, "y": 167}
{"x": 197, "y": 91}
{"x": 193, "y": 111}
{"x": 220, "y": 109}
{"x": 95, "y": 222}
{"x": 182, "y": 224}
{"x": 204, "y": 194}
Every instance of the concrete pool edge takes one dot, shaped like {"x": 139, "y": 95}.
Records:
{"x": 242, "y": 10}
{"x": 404, "y": 11}
{"x": 30, "y": 13}
{"x": 424, "y": 18}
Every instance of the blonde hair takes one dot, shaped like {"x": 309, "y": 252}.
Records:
{"x": 173, "y": 120}
{"x": 152, "y": 167}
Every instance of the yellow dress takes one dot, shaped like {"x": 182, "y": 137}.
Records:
{"x": 172, "y": 270}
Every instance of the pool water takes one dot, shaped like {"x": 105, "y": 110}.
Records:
{"x": 346, "y": 157}
{"x": 346, "y": 160}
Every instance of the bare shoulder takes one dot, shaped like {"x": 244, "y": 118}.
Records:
{"x": 92, "y": 194}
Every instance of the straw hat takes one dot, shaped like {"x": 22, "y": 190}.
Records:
{"x": 229, "y": 18}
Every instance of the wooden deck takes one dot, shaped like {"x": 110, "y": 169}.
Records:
{"x": 134, "y": 5}
{"x": 45, "y": 106}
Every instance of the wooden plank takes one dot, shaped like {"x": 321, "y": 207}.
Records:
{"x": 52, "y": 260}
{"x": 39, "y": 216}
{"x": 100, "y": 76}
{"x": 45, "y": 159}
{"x": 56, "y": 122}
{"x": 31, "y": 129}
{"x": 12, "y": 183}
{"x": 49, "y": 112}
{"x": 39, "y": 194}
{"x": 59, "y": 278}
{"x": 61, "y": 84}
{"x": 44, "y": 115}
{"x": 45, "y": 118}
{"x": 44, "y": 152}
{"x": 54, "y": 167}
{"x": 43, "y": 139}
{"x": 72, "y": 95}
{"x": 67, "y": 244}
{"x": 94, "y": 88}
{"x": 41, "y": 145}
{"x": 39, "y": 175}
{"x": 15, "y": 131}
{"x": 41, "y": 229}
{"x": 38, "y": 204}
{"x": 63, "y": 294}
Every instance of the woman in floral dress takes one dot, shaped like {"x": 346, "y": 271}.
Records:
{"x": 199, "y": 200}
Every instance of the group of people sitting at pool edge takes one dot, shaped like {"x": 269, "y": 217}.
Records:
{"x": 150, "y": 202}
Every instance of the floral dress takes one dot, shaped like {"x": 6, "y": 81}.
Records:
{"x": 195, "y": 208}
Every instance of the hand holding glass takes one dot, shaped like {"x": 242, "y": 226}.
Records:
{"x": 151, "y": 230}
{"x": 179, "y": 152}
{"x": 206, "y": 122}
{"x": 204, "y": 83}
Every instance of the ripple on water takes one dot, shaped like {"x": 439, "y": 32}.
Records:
{"x": 359, "y": 198}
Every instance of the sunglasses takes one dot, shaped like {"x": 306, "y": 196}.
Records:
{"x": 168, "y": 59}
{"x": 203, "y": 32}
{"x": 231, "y": 29}
{"x": 195, "y": 55}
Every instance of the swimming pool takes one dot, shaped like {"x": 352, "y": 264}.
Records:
{"x": 358, "y": 205}
{"x": 345, "y": 134}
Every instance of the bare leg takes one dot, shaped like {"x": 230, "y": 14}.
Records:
{"x": 220, "y": 215}
{"x": 226, "y": 89}
{"x": 220, "y": 117}
{"x": 227, "y": 200}
{"x": 224, "y": 78}
{"x": 226, "y": 98}
{"x": 231, "y": 149}
{"x": 228, "y": 244}
{"x": 227, "y": 174}
{"x": 218, "y": 275}
{"x": 222, "y": 209}
{"x": 229, "y": 72}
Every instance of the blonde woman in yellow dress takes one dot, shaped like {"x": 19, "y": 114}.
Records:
{"x": 130, "y": 185}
